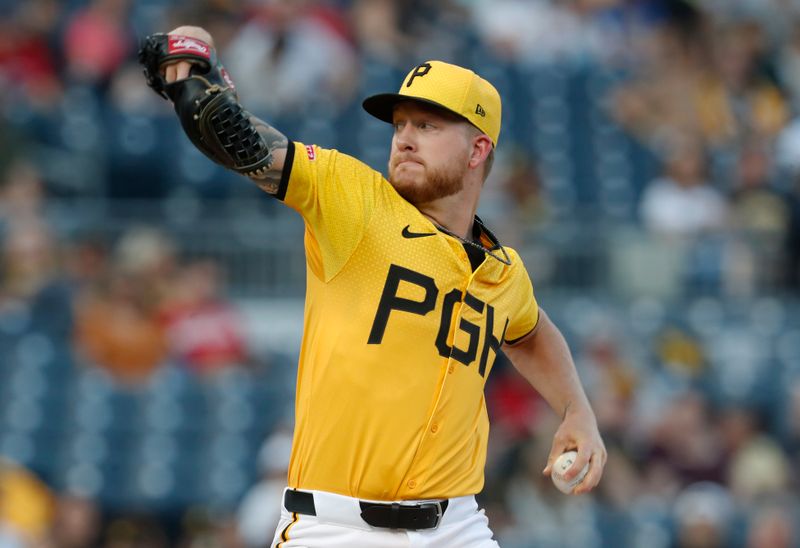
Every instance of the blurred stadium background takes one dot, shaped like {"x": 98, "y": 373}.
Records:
{"x": 150, "y": 303}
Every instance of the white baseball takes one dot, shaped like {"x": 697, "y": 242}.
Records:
{"x": 560, "y": 466}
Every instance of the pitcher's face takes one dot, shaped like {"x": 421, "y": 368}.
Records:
{"x": 430, "y": 153}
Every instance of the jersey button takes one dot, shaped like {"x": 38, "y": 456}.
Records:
{"x": 434, "y": 428}
{"x": 451, "y": 368}
{"x": 411, "y": 484}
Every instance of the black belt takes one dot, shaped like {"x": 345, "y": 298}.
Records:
{"x": 424, "y": 515}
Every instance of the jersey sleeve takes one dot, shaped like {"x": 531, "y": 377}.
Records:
{"x": 525, "y": 315}
{"x": 335, "y": 194}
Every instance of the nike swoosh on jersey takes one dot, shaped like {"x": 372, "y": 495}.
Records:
{"x": 408, "y": 234}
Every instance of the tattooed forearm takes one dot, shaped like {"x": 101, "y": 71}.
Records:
{"x": 269, "y": 184}
{"x": 277, "y": 143}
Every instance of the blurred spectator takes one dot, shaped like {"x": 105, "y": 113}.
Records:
{"x": 31, "y": 279}
{"x": 515, "y": 408}
{"x": 97, "y": 41}
{"x": 773, "y": 524}
{"x": 787, "y": 148}
{"x": 378, "y": 30}
{"x": 290, "y": 55}
{"x": 395, "y": 33}
{"x": 117, "y": 325}
{"x": 703, "y": 511}
{"x": 515, "y": 196}
{"x": 786, "y": 156}
{"x": 524, "y": 187}
{"x": 541, "y": 31}
{"x": 788, "y": 65}
{"x": 775, "y": 16}
{"x": 681, "y": 353}
{"x": 22, "y": 194}
{"x": 204, "y": 528}
{"x": 259, "y": 511}
{"x": 147, "y": 254}
{"x": 682, "y": 202}
{"x": 624, "y": 483}
{"x": 757, "y": 207}
{"x": 27, "y": 61}
{"x": 710, "y": 84}
{"x": 758, "y": 470}
{"x": 611, "y": 384}
{"x": 136, "y": 531}
{"x": 517, "y": 413}
{"x": 738, "y": 427}
{"x": 118, "y": 331}
{"x": 204, "y": 331}
{"x": 685, "y": 442}
{"x": 77, "y": 523}
{"x": 760, "y": 216}
{"x": 660, "y": 101}
{"x": 740, "y": 100}
{"x": 26, "y": 507}
{"x": 87, "y": 262}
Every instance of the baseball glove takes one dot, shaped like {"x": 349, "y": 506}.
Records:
{"x": 206, "y": 103}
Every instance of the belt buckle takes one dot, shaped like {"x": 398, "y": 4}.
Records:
{"x": 439, "y": 513}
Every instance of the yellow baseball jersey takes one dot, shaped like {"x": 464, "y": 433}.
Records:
{"x": 399, "y": 338}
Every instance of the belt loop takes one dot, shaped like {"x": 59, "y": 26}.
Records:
{"x": 394, "y": 516}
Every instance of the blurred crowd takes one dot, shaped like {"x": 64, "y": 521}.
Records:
{"x": 128, "y": 308}
{"x": 680, "y": 152}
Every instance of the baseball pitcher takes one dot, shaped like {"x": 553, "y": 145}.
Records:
{"x": 409, "y": 300}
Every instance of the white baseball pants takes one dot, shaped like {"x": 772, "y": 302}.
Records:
{"x": 338, "y": 523}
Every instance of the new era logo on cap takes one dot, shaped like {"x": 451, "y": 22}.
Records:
{"x": 448, "y": 86}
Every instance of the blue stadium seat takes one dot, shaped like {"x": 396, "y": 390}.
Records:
{"x": 88, "y": 480}
{"x": 17, "y": 446}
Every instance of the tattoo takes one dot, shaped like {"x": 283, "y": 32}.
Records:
{"x": 268, "y": 186}
{"x": 269, "y": 180}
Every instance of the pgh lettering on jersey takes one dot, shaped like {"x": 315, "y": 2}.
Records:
{"x": 400, "y": 335}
